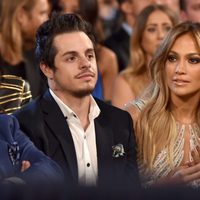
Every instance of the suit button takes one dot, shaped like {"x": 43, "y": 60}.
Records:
{"x": 88, "y": 164}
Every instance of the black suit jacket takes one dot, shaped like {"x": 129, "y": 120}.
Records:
{"x": 119, "y": 42}
{"x": 43, "y": 121}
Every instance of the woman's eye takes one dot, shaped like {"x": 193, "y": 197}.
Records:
{"x": 151, "y": 29}
{"x": 194, "y": 60}
{"x": 167, "y": 28}
{"x": 171, "y": 58}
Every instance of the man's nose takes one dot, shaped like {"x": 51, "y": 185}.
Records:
{"x": 84, "y": 62}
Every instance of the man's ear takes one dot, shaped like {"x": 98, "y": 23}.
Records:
{"x": 47, "y": 71}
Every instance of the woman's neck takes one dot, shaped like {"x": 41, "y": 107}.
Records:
{"x": 185, "y": 111}
{"x": 148, "y": 60}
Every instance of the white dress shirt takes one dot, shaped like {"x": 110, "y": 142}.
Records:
{"x": 84, "y": 141}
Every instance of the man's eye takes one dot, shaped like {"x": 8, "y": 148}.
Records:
{"x": 171, "y": 58}
{"x": 70, "y": 59}
{"x": 90, "y": 56}
{"x": 194, "y": 60}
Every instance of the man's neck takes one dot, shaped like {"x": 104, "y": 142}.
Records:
{"x": 80, "y": 106}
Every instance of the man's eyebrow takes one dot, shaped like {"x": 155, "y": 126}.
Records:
{"x": 90, "y": 50}
{"x": 69, "y": 52}
{"x": 75, "y": 52}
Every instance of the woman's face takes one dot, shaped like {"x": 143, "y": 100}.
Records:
{"x": 31, "y": 20}
{"x": 183, "y": 68}
{"x": 158, "y": 24}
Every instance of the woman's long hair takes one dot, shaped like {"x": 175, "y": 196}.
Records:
{"x": 137, "y": 65}
{"x": 156, "y": 127}
{"x": 10, "y": 29}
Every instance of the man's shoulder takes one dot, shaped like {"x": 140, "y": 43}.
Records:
{"x": 30, "y": 109}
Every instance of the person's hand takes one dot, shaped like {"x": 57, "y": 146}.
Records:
{"x": 186, "y": 175}
{"x": 25, "y": 165}
{"x": 174, "y": 177}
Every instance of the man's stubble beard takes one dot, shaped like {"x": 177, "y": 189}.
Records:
{"x": 83, "y": 93}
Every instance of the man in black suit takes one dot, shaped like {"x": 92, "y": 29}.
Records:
{"x": 119, "y": 41}
{"x": 91, "y": 140}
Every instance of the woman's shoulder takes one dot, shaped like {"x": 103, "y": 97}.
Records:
{"x": 107, "y": 60}
{"x": 134, "y": 108}
{"x": 105, "y": 51}
{"x": 122, "y": 82}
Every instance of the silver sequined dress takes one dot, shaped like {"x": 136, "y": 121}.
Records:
{"x": 161, "y": 167}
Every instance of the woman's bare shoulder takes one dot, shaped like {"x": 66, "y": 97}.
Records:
{"x": 108, "y": 52}
{"x": 133, "y": 110}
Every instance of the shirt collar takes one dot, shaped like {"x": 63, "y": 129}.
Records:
{"x": 127, "y": 28}
{"x": 68, "y": 112}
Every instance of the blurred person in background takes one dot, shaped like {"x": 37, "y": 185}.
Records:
{"x": 19, "y": 21}
{"x": 172, "y": 4}
{"x": 36, "y": 13}
{"x": 106, "y": 58}
{"x": 109, "y": 15}
{"x": 119, "y": 41}
{"x": 150, "y": 28}
{"x": 190, "y": 10}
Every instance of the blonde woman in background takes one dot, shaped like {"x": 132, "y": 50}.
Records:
{"x": 151, "y": 25}
{"x": 167, "y": 116}
{"x": 19, "y": 21}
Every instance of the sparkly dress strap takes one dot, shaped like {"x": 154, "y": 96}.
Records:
{"x": 139, "y": 103}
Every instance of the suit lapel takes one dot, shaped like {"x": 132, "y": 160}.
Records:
{"x": 104, "y": 142}
{"x": 60, "y": 129}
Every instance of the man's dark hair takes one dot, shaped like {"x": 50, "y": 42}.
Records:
{"x": 182, "y": 5}
{"x": 56, "y": 25}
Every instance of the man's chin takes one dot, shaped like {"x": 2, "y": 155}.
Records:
{"x": 83, "y": 93}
